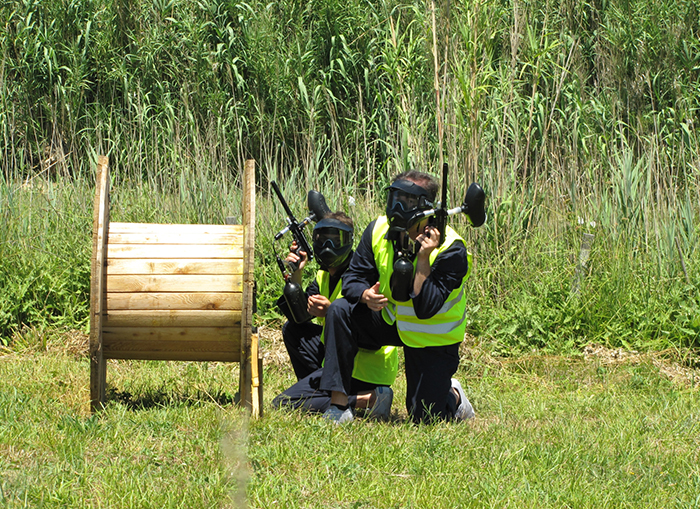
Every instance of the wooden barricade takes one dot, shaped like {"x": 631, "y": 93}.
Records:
{"x": 173, "y": 292}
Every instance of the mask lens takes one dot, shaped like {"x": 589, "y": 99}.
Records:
{"x": 410, "y": 201}
{"x": 406, "y": 201}
{"x": 337, "y": 238}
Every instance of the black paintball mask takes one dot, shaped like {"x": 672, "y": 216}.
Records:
{"x": 404, "y": 201}
{"x": 332, "y": 243}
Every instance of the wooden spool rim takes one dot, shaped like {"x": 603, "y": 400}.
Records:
{"x": 250, "y": 376}
{"x": 99, "y": 242}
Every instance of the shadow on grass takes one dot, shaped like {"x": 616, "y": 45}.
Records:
{"x": 159, "y": 398}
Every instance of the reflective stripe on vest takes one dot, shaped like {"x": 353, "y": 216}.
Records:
{"x": 372, "y": 366}
{"x": 447, "y": 326}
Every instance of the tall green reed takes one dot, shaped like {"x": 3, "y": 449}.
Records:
{"x": 561, "y": 110}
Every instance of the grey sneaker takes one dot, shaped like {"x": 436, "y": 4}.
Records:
{"x": 338, "y": 416}
{"x": 464, "y": 410}
{"x": 382, "y": 406}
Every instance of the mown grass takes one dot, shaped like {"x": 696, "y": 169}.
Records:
{"x": 550, "y": 432}
{"x": 158, "y": 444}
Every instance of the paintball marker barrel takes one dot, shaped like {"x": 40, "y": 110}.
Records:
{"x": 293, "y": 225}
{"x": 473, "y": 207}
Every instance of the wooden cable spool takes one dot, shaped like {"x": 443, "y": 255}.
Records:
{"x": 173, "y": 292}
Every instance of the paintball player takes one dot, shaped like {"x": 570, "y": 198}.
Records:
{"x": 429, "y": 324}
{"x": 373, "y": 371}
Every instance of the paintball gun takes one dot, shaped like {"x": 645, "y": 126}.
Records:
{"x": 401, "y": 281}
{"x": 472, "y": 206}
{"x": 293, "y": 292}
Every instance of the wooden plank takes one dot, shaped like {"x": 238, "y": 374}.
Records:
{"x": 179, "y": 238}
{"x": 100, "y": 222}
{"x": 248, "y": 206}
{"x": 167, "y": 355}
{"x": 173, "y": 343}
{"x": 173, "y": 283}
{"x": 172, "y": 318}
{"x": 184, "y": 300}
{"x": 173, "y": 251}
{"x": 148, "y": 335}
{"x": 256, "y": 374}
{"x": 261, "y": 385}
{"x": 216, "y": 229}
{"x": 174, "y": 266}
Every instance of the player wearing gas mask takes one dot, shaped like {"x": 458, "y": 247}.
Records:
{"x": 374, "y": 371}
{"x": 423, "y": 310}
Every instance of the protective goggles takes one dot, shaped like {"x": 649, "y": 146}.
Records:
{"x": 407, "y": 195}
{"x": 332, "y": 232}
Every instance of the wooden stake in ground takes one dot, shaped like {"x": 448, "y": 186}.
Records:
{"x": 582, "y": 267}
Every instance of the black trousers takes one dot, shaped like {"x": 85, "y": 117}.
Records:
{"x": 429, "y": 370}
{"x": 305, "y": 394}
{"x": 303, "y": 343}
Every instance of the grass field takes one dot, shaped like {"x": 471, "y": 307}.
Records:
{"x": 576, "y": 117}
{"x": 606, "y": 429}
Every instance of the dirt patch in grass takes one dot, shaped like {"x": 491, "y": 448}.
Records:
{"x": 679, "y": 367}
{"x": 76, "y": 343}
{"x": 273, "y": 349}
{"x": 31, "y": 339}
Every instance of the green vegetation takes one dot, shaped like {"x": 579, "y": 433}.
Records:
{"x": 569, "y": 114}
{"x": 576, "y": 117}
{"x": 161, "y": 447}
{"x": 550, "y": 431}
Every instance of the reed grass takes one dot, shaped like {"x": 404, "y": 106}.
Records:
{"x": 569, "y": 114}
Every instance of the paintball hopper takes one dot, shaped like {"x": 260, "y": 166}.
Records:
{"x": 473, "y": 205}
{"x": 317, "y": 205}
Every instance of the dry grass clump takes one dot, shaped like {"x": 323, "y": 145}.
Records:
{"x": 680, "y": 369}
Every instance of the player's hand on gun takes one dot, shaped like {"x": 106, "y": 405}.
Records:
{"x": 428, "y": 240}
{"x": 299, "y": 260}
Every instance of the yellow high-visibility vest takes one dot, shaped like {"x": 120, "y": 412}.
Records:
{"x": 447, "y": 326}
{"x": 372, "y": 366}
